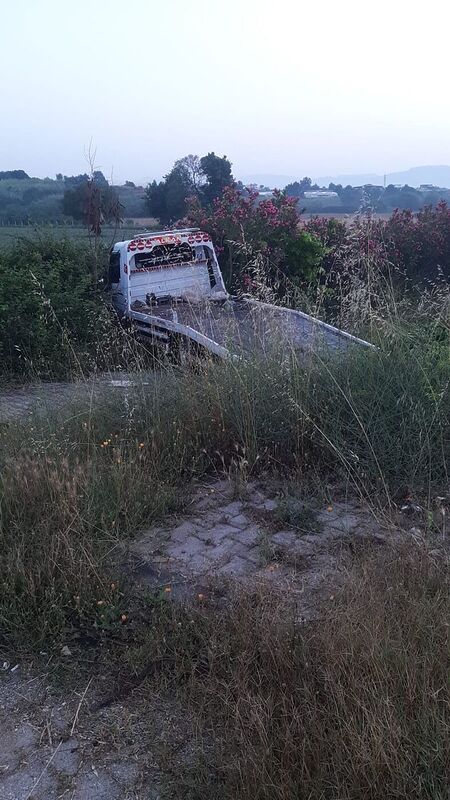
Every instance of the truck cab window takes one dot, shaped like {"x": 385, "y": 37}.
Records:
{"x": 165, "y": 255}
{"x": 210, "y": 265}
{"x": 114, "y": 268}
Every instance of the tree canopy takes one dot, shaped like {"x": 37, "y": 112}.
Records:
{"x": 203, "y": 178}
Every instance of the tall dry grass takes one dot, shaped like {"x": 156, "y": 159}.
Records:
{"x": 77, "y": 481}
{"x": 353, "y": 705}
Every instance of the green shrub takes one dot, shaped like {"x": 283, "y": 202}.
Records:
{"x": 53, "y": 321}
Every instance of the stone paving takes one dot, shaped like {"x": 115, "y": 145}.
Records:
{"x": 222, "y": 536}
{"x": 51, "y": 748}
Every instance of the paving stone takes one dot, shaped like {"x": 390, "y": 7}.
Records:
{"x": 200, "y": 562}
{"x": 235, "y": 567}
{"x": 294, "y": 546}
{"x": 346, "y": 522}
{"x": 216, "y": 533}
{"x": 206, "y": 520}
{"x": 249, "y": 536}
{"x": 182, "y": 532}
{"x": 337, "y": 510}
{"x": 254, "y": 555}
{"x": 34, "y": 782}
{"x": 240, "y": 550}
{"x": 184, "y": 551}
{"x": 240, "y": 521}
{"x": 222, "y": 550}
{"x": 97, "y": 784}
{"x": 67, "y": 758}
{"x": 204, "y": 503}
{"x": 284, "y": 539}
{"x": 231, "y": 509}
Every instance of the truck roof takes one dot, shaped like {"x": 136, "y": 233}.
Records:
{"x": 181, "y": 232}
{"x": 148, "y": 239}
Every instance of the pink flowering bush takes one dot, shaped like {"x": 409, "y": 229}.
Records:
{"x": 334, "y": 269}
{"x": 413, "y": 247}
{"x": 259, "y": 240}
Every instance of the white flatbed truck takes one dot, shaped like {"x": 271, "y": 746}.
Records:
{"x": 168, "y": 286}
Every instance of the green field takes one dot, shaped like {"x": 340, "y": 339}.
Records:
{"x": 9, "y": 234}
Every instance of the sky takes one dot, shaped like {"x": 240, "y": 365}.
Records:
{"x": 279, "y": 86}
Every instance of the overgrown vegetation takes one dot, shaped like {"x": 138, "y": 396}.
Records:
{"x": 264, "y": 246}
{"x": 354, "y": 705}
{"x": 71, "y": 488}
{"x": 52, "y": 320}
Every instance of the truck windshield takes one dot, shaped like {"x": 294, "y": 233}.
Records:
{"x": 165, "y": 255}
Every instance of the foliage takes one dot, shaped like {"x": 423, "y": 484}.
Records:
{"x": 52, "y": 320}
{"x": 166, "y": 200}
{"x": 72, "y": 482}
{"x": 22, "y": 199}
{"x": 33, "y": 200}
{"x": 14, "y": 174}
{"x": 351, "y": 199}
{"x": 298, "y": 188}
{"x": 259, "y": 241}
{"x": 190, "y": 176}
{"x": 93, "y": 202}
{"x": 218, "y": 176}
{"x": 408, "y": 249}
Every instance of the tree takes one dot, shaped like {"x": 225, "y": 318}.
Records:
{"x": 218, "y": 175}
{"x": 71, "y": 181}
{"x": 298, "y": 188}
{"x": 166, "y": 200}
{"x": 155, "y": 200}
{"x": 14, "y": 174}
{"x": 130, "y": 184}
{"x": 99, "y": 178}
{"x": 93, "y": 203}
{"x": 192, "y": 171}
{"x": 203, "y": 178}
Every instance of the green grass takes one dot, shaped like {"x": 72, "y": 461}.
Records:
{"x": 9, "y": 234}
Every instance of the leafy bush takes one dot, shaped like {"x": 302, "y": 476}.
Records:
{"x": 411, "y": 249}
{"x": 259, "y": 242}
{"x": 52, "y": 319}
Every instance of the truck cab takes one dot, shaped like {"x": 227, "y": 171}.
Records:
{"x": 180, "y": 265}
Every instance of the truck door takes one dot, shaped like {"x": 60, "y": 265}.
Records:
{"x": 119, "y": 299}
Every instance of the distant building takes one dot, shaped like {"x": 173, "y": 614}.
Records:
{"x": 320, "y": 194}
{"x": 430, "y": 187}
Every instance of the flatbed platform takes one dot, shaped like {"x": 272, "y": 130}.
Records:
{"x": 240, "y": 326}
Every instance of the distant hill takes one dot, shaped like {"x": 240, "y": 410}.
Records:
{"x": 437, "y": 175}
